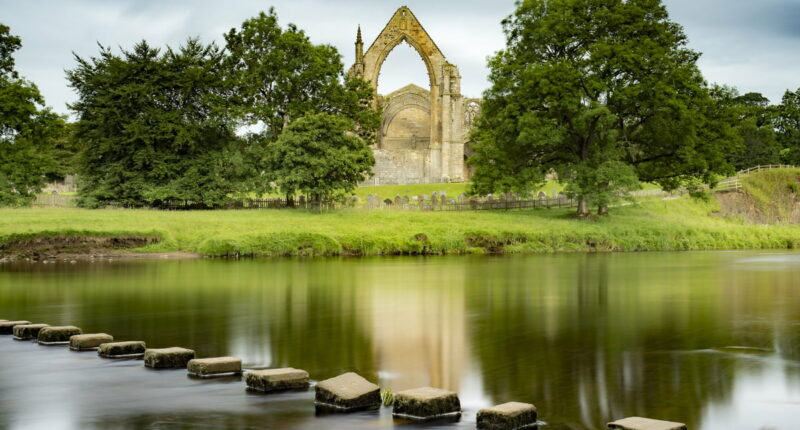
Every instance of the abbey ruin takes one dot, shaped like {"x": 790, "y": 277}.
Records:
{"x": 424, "y": 132}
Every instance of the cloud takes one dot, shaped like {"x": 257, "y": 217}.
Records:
{"x": 750, "y": 45}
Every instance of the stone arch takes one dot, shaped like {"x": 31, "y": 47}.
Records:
{"x": 403, "y": 27}
{"x": 442, "y": 157}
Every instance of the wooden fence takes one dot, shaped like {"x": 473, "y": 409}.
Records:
{"x": 735, "y": 182}
{"x": 55, "y": 201}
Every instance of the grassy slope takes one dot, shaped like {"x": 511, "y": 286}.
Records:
{"x": 656, "y": 225}
{"x": 774, "y": 192}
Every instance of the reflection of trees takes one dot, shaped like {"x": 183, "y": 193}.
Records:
{"x": 597, "y": 340}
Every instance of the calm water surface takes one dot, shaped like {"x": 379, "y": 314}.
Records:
{"x": 709, "y": 339}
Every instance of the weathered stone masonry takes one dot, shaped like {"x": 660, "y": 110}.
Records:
{"x": 424, "y": 133}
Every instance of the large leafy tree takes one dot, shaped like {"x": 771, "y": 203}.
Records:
{"x": 788, "y": 126}
{"x": 602, "y": 92}
{"x": 151, "y": 127}
{"x": 278, "y": 76}
{"x": 319, "y": 156}
{"x": 28, "y": 130}
{"x": 754, "y": 121}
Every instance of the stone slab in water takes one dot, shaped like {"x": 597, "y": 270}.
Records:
{"x": 7, "y": 327}
{"x": 425, "y": 403}
{"x": 508, "y": 416}
{"x": 638, "y": 423}
{"x": 215, "y": 366}
{"x": 168, "y": 358}
{"x": 28, "y": 331}
{"x": 57, "y": 335}
{"x": 348, "y": 392}
{"x": 89, "y": 342}
{"x": 276, "y": 379}
{"x": 130, "y": 349}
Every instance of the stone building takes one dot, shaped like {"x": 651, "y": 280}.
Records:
{"x": 424, "y": 132}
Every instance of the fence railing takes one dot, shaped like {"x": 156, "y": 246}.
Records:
{"x": 55, "y": 201}
{"x": 735, "y": 182}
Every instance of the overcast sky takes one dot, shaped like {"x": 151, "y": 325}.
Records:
{"x": 752, "y": 45}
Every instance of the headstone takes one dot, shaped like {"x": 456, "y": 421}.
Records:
{"x": 28, "y": 331}
{"x": 7, "y": 327}
{"x": 398, "y": 200}
{"x": 131, "y": 349}
{"x": 388, "y": 202}
{"x": 270, "y": 380}
{"x": 508, "y": 416}
{"x": 638, "y": 423}
{"x": 462, "y": 198}
{"x": 218, "y": 366}
{"x": 302, "y": 201}
{"x": 168, "y": 358}
{"x": 347, "y": 392}
{"x": 89, "y": 342}
{"x": 405, "y": 200}
{"x": 425, "y": 403}
{"x": 542, "y": 195}
{"x": 414, "y": 198}
{"x": 452, "y": 201}
{"x": 57, "y": 335}
{"x": 435, "y": 197}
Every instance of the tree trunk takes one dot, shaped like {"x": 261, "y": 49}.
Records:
{"x": 602, "y": 209}
{"x": 289, "y": 201}
{"x": 583, "y": 207}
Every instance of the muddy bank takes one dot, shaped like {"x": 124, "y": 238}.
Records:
{"x": 71, "y": 248}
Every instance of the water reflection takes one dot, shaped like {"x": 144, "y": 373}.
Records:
{"x": 587, "y": 338}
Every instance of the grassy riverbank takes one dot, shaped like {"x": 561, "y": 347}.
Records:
{"x": 682, "y": 224}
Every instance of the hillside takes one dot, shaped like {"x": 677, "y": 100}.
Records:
{"x": 765, "y": 197}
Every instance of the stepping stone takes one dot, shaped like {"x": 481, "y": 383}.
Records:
{"x": 58, "y": 335}
{"x": 508, "y": 416}
{"x": 206, "y": 367}
{"x": 7, "y": 327}
{"x": 425, "y": 403}
{"x": 168, "y": 358}
{"x": 348, "y": 392}
{"x": 276, "y": 379}
{"x": 132, "y": 349}
{"x": 89, "y": 342}
{"x": 637, "y": 423}
{"x": 28, "y": 331}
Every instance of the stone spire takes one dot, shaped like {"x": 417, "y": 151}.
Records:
{"x": 358, "y": 67}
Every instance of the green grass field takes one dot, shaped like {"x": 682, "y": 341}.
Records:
{"x": 655, "y": 225}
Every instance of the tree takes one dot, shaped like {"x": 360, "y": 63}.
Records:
{"x": 319, "y": 156}
{"x": 27, "y": 131}
{"x": 277, "y": 76}
{"x": 755, "y": 124}
{"x": 601, "y": 92}
{"x": 788, "y": 126}
{"x": 151, "y": 127}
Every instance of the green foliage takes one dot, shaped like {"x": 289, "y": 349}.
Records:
{"x": 387, "y": 397}
{"x": 278, "y": 76}
{"x": 599, "y": 92}
{"x": 318, "y": 156}
{"x": 150, "y": 126}
{"x": 28, "y": 131}
{"x": 753, "y": 120}
{"x": 788, "y": 127}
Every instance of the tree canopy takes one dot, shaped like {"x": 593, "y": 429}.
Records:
{"x": 604, "y": 93}
{"x": 319, "y": 156}
{"x": 788, "y": 126}
{"x": 150, "y": 128}
{"x": 27, "y": 131}
{"x": 156, "y": 126}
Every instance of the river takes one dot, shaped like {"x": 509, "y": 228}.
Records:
{"x": 711, "y": 339}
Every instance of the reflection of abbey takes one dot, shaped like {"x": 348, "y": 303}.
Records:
{"x": 424, "y": 132}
